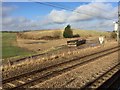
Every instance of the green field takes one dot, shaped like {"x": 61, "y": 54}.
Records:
{"x": 10, "y": 48}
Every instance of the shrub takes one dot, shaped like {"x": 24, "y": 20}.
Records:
{"x": 113, "y": 35}
{"x": 47, "y": 37}
{"x": 68, "y": 33}
{"x": 90, "y": 35}
{"x": 76, "y": 35}
{"x": 57, "y": 34}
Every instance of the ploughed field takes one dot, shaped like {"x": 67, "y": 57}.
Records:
{"x": 72, "y": 74}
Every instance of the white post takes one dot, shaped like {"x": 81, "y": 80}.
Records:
{"x": 116, "y": 30}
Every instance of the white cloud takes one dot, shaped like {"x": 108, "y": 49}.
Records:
{"x": 58, "y": 16}
{"x": 95, "y": 11}
{"x": 19, "y": 23}
{"x": 85, "y": 12}
{"x": 89, "y": 16}
{"x": 100, "y": 13}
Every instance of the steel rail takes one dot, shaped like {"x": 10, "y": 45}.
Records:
{"x": 92, "y": 83}
{"x": 61, "y": 71}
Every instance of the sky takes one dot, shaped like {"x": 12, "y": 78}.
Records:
{"x": 56, "y": 15}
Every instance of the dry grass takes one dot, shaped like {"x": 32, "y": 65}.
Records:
{"x": 38, "y": 34}
{"x": 31, "y": 43}
{"x": 30, "y": 65}
{"x": 43, "y": 45}
{"x": 82, "y": 33}
{"x": 40, "y": 45}
{"x": 91, "y": 33}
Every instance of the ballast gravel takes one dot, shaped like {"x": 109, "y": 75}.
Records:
{"x": 80, "y": 76}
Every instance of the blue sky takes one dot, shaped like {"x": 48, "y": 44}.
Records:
{"x": 33, "y": 16}
{"x": 36, "y": 9}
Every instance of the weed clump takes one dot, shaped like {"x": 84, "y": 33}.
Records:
{"x": 113, "y": 35}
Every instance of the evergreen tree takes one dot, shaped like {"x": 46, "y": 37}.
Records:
{"x": 68, "y": 33}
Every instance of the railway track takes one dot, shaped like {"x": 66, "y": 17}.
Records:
{"x": 31, "y": 78}
{"x": 112, "y": 83}
{"x": 97, "y": 84}
{"x": 26, "y": 58}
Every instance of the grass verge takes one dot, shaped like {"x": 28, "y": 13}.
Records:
{"x": 10, "y": 48}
